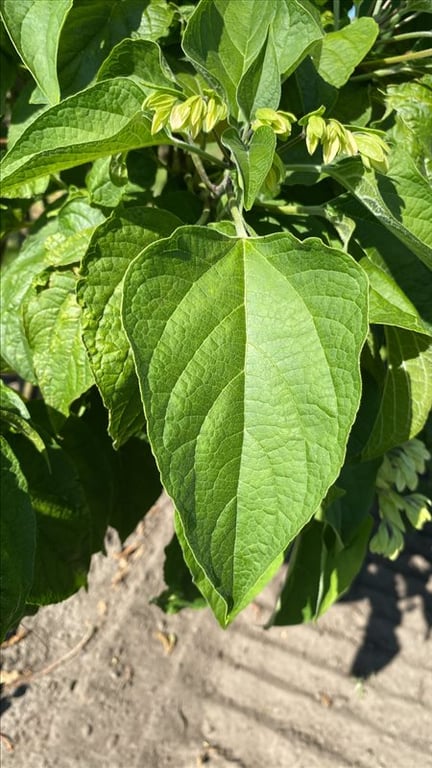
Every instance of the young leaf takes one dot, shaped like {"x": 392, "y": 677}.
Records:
{"x": 59, "y": 357}
{"x": 17, "y": 541}
{"x": 34, "y": 27}
{"x": 113, "y": 246}
{"x": 105, "y": 119}
{"x": 223, "y": 38}
{"x": 141, "y": 61}
{"x": 245, "y": 329}
{"x": 407, "y": 397}
{"x": 94, "y": 28}
{"x": 338, "y": 53}
{"x": 254, "y": 161}
{"x": 260, "y": 85}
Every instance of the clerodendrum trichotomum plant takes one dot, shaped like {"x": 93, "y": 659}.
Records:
{"x": 217, "y": 253}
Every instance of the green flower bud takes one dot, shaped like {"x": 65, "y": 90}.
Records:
{"x": 161, "y": 104}
{"x": 315, "y": 132}
{"x": 373, "y": 151}
{"x": 416, "y": 508}
{"x": 279, "y": 121}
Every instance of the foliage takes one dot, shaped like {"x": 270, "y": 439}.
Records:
{"x": 217, "y": 253}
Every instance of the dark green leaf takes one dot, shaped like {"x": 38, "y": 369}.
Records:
{"x": 181, "y": 592}
{"x": 17, "y": 541}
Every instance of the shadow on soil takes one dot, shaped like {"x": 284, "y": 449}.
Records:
{"x": 384, "y": 583}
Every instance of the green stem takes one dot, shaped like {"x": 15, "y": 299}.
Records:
{"x": 195, "y": 150}
{"x": 406, "y": 36}
{"x": 336, "y": 13}
{"x": 293, "y": 209}
{"x": 411, "y": 56}
{"x": 238, "y": 219}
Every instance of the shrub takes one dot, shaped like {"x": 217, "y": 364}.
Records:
{"x": 218, "y": 251}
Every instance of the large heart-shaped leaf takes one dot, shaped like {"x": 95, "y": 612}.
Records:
{"x": 249, "y": 373}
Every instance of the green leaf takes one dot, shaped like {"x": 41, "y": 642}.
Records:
{"x": 59, "y": 356}
{"x": 296, "y": 27}
{"x": 181, "y": 592}
{"x": 401, "y": 200}
{"x": 113, "y": 246}
{"x": 338, "y": 53}
{"x": 76, "y": 222}
{"x": 17, "y": 541}
{"x": 347, "y": 512}
{"x": 16, "y": 280}
{"x": 14, "y": 413}
{"x": 63, "y": 535}
{"x": 412, "y": 102}
{"x": 34, "y": 27}
{"x": 107, "y": 118}
{"x": 254, "y": 161}
{"x": 223, "y": 38}
{"x": 94, "y": 28}
{"x": 245, "y": 328}
{"x": 260, "y": 85}
{"x": 407, "y": 397}
{"x": 141, "y": 61}
{"x": 137, "y": 485}
{"x": 388, "y": 304}
{"x": 391, "y": 256}
{"x": 320, "y": 571}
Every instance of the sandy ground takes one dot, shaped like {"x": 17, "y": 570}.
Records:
{"x": 108, "y": 680}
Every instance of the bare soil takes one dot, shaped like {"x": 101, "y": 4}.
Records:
{"x": 105, "y": 679}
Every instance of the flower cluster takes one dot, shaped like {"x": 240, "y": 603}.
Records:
{"x": 279, "y": 121}
{"x": 399, "y": 471}
{"x": 196, "y": 114}
{"x": 336, "y": 140}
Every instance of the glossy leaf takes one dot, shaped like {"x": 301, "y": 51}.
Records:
{"x": 107, "y": 118}
{"x": 59, "y": 357}
{"x": 338, "y": 54}
{"x": 223, "y": 385}
{"x": 260, "y": 85}
{"x": 34, "y": 27}
{"x": 113, "y": 246}
{"x": 17, "y": 541}
{"x": 253, "y": 161}
{"x": 407, "y": 397}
